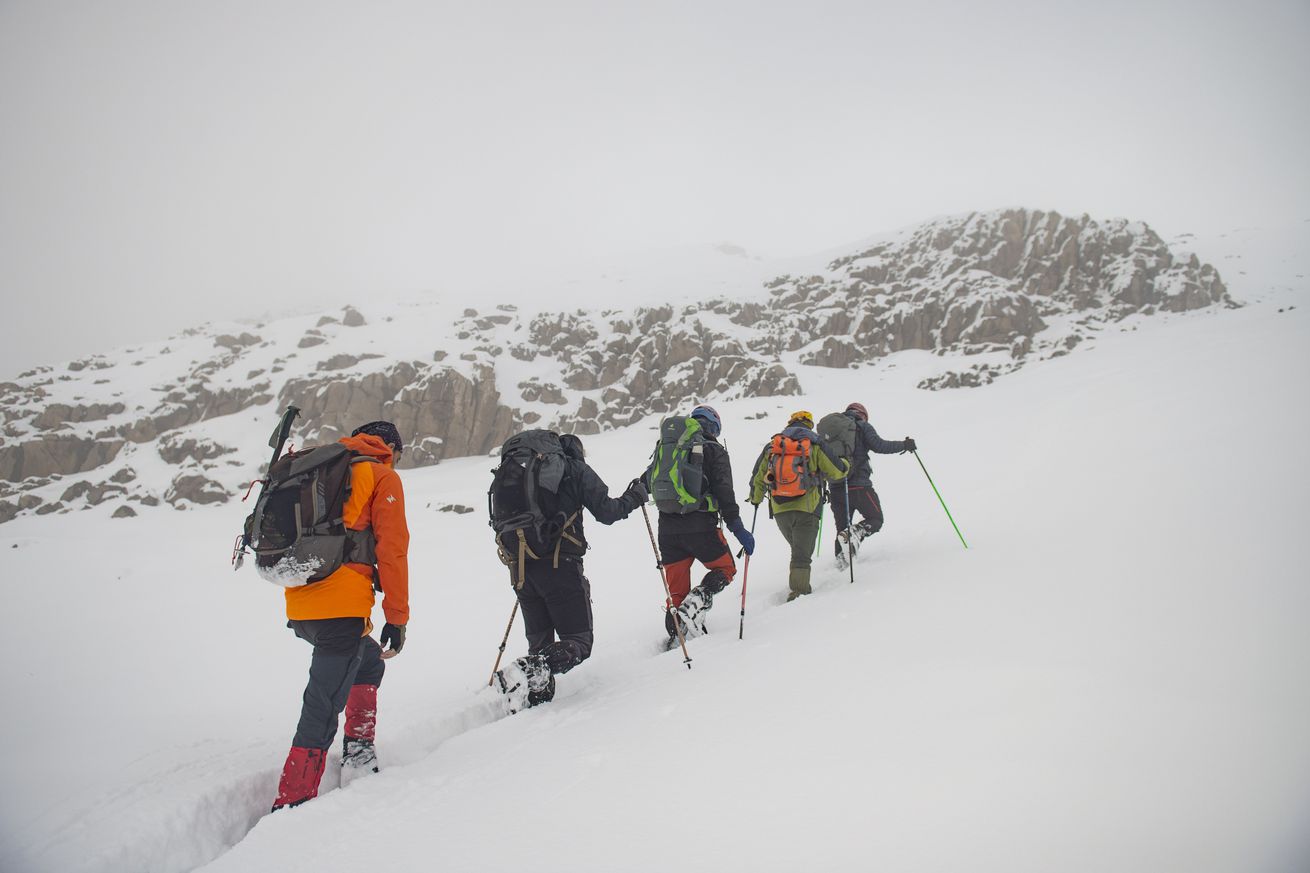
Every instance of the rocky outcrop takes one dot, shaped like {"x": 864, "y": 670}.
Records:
{"x": 441, "y": 411}
{"x": 981, "y": 283}
{"x": 194, "y": 404}
{"x": 236, "y": 343}
{"x": 178, "y": 449}
{"x": 194, "y": 488}
{"x": 57, "y": 415}
{"x": 55, "y": 454}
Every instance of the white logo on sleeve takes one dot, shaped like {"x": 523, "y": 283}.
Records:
{"x": 391, "y": 498}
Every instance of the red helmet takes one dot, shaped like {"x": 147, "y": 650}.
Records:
{"x": 858, "y": 409}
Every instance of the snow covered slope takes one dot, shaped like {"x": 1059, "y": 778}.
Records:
{"x": 1113, "y": 676}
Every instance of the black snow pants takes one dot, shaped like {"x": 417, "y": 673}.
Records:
{"x": 342, "y": 657}
{"x": 864, "y": 500}
{"x": 556, "y": 602}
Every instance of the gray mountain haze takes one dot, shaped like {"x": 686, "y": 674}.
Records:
{"x": 1000, "y": 289}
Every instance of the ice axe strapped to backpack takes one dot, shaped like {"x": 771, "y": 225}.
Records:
{"x": 276, "y": 441}
{"x": 522, "y": 502}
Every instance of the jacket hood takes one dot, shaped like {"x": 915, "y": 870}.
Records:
{"x": 798, "y": 432}
{"x": 368, "y": 445}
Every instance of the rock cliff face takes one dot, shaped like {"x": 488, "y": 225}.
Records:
{"x": 448, "y": 413}
{"x": 992, "y": 282}
{"x": 144, "y": 427}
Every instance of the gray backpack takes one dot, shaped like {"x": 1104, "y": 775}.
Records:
{"x": 840, "y": 435}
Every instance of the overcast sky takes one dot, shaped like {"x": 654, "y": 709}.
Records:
{"x": 164, "y": 163}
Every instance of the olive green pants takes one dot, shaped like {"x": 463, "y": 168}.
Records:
{"x": 801, "y": 530}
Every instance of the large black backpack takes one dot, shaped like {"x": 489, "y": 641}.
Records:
{"x": 523, "y": 501}
{"x": 677, "y": 470}
{"x": 296, "y": 530}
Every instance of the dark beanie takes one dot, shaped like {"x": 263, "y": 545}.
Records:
{"x": 383, "y": 430}
{"x": 572, "y": 446}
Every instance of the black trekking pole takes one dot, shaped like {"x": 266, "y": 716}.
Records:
{"x": 276, "y": 442}
{"x": 659, "y": 565}
{"x": 939, "y": 498}
{"x": 513, "y": 612}
{"x": 745, "y": 574}
{"x": 850, "y": 527}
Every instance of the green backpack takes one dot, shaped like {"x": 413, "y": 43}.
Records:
{"x": 677, "y": 478}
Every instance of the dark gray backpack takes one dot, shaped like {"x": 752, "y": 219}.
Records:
{"x": 840, "y": 435}
{"x": 523, "y": 501}
{"x": 296, "y": 531}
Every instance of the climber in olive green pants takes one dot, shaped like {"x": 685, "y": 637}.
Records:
{"x": 791, "y": 470}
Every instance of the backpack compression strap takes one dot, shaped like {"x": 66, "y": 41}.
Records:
{"x": 564, "y": 534}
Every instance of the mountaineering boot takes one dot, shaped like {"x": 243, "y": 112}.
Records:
{"x": 692, "y": 611}
{"x": 526, "y": 682}
{"x": 300, "y": 777}
{"x": 798, "y": 583}
{"x": 841, "y": 549}
{"x": 863, "y": 531}
{"x": 358, "y": 755}
{"x": 671, "y": 623}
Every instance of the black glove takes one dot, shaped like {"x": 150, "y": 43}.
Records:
{"x": 637, "y": 490}
{"x": 395, "y": 635}
{"x": 909, "y": 445}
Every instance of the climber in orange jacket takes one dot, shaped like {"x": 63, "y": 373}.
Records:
{"x": 333, "y": 615}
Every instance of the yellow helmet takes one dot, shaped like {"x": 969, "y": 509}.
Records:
{"x": 802, "y": 417}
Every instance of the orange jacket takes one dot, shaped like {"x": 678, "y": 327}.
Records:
{"x": 376, "y": 501}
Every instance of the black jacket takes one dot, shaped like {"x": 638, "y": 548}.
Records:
{"x": 718, "y": 482}
{"x": 867, "y": 440}
{"x": 583, "y": 488}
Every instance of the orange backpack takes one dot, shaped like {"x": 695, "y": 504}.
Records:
{"x": 789, "y": 468}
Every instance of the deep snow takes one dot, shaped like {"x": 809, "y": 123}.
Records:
{"x": 1113, "y": 676}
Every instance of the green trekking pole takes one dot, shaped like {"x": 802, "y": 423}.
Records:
{"x": 818, "y": 540}
{"x": 745, "y": 573}
{"x": 939, "y": 497}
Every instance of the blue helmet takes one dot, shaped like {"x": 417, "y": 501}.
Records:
{"x": 709, "y": 419}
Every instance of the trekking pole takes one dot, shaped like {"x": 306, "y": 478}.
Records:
{"x": 513, "y": 612}
{"x": 659, "y": 565}
{"x": 745, "y": 574}
{"x": 939, "y": 498}
{"x": 850, "y": 528}
{"x": 818, "y": 540}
